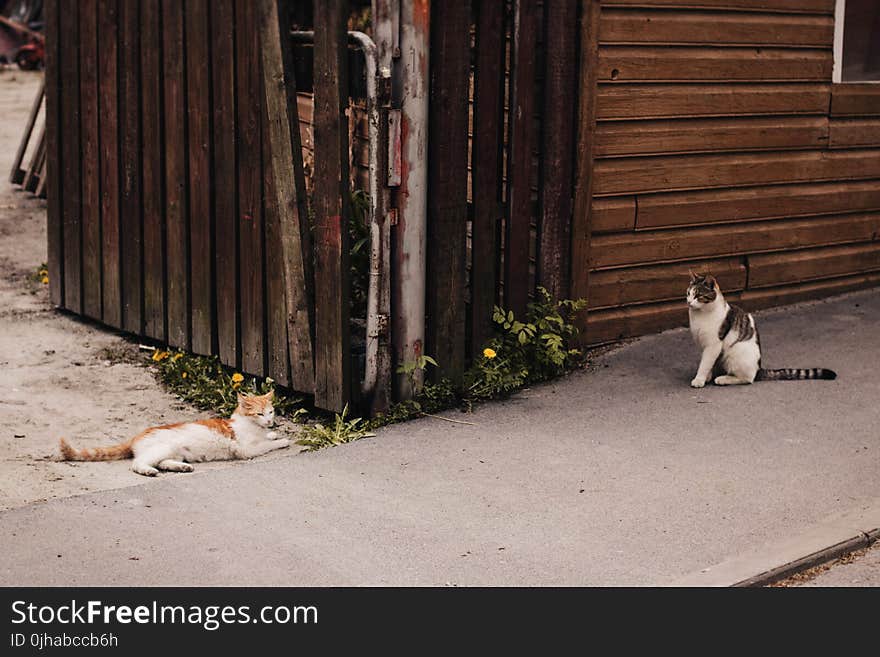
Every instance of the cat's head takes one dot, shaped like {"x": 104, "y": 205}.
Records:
{"x": 258, "y": 408}
{"x": 702, "y": 290}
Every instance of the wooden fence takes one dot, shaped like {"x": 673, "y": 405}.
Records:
{"x": 505, "y": 86}
{"x": 165, "y": 217}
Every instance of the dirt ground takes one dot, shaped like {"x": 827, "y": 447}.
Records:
{"x": 61, "y": 376}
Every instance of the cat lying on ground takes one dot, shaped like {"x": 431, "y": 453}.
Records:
{"x": 729, "y": 340}
{"x": 173, "y": 447}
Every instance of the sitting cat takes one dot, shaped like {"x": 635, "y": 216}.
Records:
{"x": 729, "y": 340}
{"x": 173, "y": 447}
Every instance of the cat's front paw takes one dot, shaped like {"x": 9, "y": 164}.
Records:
{"x": 698, "y": 382}
{"x": 272, "y": 435}
{"x": 283, "y": 442}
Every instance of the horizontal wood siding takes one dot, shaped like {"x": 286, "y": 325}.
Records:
{"x": 788, "y": 6}
{"x": 723, "y": 145}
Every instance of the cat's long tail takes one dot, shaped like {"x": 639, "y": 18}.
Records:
{"x": 114, "y": 453}
{"x": 789, "y": 374}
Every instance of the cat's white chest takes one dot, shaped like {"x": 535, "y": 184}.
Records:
{"x": 704, "y": 328}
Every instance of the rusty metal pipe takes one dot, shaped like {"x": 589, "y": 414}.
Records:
{"x": 408, "y": 277}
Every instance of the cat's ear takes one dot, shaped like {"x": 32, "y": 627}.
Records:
{"x": 693, "y": 274}
{"x": 242, "y": 398}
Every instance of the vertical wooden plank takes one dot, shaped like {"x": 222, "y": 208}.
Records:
{"x": 249, "y": 92}
{"x": 486, "y": 164}
{"x": 176, "y": 177}
{"x": 70, "y": 161}
{"x": 519, "y": 205}
{"x": 586, "y": 127}
{"x": 447, "y": 186}
{"x": 278, "y": 360}
{"x": 130, "y": 188}
{"x": 91, "y": 199}
{"x": 559, "y": 134}
{"x": 288, "y": 245}
{"x": 153, "y": 165}
{"x": 332, "y": 349}
{"x": 108, "y": 110}
{"x": 201, "y": 255}
{"x": 54, "y": 192}
{"x": 225, "y": 183}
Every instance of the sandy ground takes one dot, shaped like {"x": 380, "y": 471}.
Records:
{"x": 61, "y": 376}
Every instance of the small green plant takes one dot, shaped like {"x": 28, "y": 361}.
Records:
{"x": 410, "y": 367}
{"x": 206, "y": 384}
{"x": 318, "y": 436}
{"x": 359, "y": 252}
{"x": 519, "y": 354}
{"x": 526, "y": 352}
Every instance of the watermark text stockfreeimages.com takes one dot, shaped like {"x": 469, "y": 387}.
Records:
{"x": 210, "y": 617}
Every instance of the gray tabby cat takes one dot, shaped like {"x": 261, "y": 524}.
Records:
{"x": 729, "y": 340}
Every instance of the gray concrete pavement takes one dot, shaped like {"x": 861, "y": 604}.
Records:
{"x": 618, "y": 475}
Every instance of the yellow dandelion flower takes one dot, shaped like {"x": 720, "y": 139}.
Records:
{"x": 237, "y": 378}
{"x": 44, "y": 272}
{"x": 183, "y": 376}
{"x": 177, "y": 355}
{"x": 159, "y": 355}
{"x": 489, "y": 353}
{"x": 45, "y": 280}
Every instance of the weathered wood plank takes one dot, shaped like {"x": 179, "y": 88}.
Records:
{"x": 291, "y": 354}
{"x": 16, "y": 175}
{"x": 853, "y": 133}
{"x": 777, "y": 296}
{"x": 31, "y": 175}
{"x": 710, "y": 135}
{"x": 732, "y": 239}
{"x": 855, "y": 99}
{"x": 249, "y": 94}
{"x": 645, "y": 101}
{"x": 810, "y": 264}
{"x": 176, "y": 184}
{"x": 153, "y": 171}
{"x": 555, "y": 193}
{"x": 131, "y": 203}
{"x": 584, "y": 185}
{"x": 519, "y": 169}
{"x": 672, "y": 173}
{"x": 54, "y": 136}
{"x": 617, "y": 287}
{"x": 806, "y": 6}
{"x": 613, "y": 214}
{"x": 277, "y": 350}
{"x": 198, "y": 96}
{"x": 447, "y": 187}
{"x": 71, "y": 162}
{"x": 226, "y": 264}
{"x": 108, "y": 121}
{"x": 714, "y": 28}
{"x": 332, "y": 349}
{"x": 766, "y": 202}
{"x": 671, "y": 63}
{"x": 614, "y": 324}
{"x": 91, "y": 200}
{"x": 486, "y": 156}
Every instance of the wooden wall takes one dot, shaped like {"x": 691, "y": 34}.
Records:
{"x": 722, "y": 144}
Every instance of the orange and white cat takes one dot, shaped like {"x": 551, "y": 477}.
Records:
{"x": 173, "y": 447}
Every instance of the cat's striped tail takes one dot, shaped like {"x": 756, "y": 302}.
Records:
{"x": 797, "y": 374}
{"x": 113, "y": 453}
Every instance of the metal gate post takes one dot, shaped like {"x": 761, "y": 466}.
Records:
{"x": 402, "y": 29}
